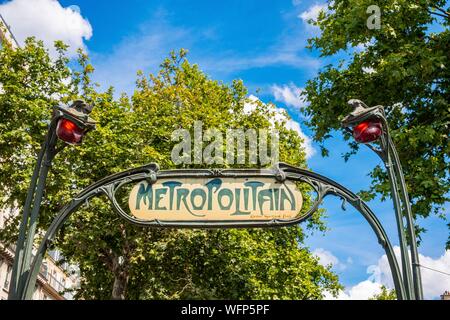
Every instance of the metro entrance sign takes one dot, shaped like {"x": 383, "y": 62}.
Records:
{"x": 243, "y": 198}
{"x": 211, "y": 198}
{"x": 216, "y": 199}
{"x": 230, "y": 198}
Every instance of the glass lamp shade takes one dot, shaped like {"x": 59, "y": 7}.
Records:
{"x": 69, "y": 132}
{"x": 367, "y": 131}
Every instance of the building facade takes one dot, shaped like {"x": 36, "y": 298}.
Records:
{"x": 54, "y": 279}
{"x": 445, "y": 295}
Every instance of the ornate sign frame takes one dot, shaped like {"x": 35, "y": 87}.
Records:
{"x": 154, "y": 175}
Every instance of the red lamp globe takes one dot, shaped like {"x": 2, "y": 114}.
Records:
{"x": 367, "y": 131}
{"x": 69, "y": 132}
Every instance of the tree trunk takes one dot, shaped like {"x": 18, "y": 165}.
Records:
{"x": 121, "y": 277}
{"x": 120, "y": 269}
{"x": 120, "y": 286}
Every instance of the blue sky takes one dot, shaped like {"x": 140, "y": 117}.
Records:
{"x": 262, "y": 43}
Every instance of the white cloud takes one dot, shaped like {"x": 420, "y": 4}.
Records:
{"x": 307, "y": 142}
{"x": 312, "y": 12}
{"x": 294, "y": 125}
{"x": 286, "y": 55}
{"x": 251, "y": 103}
{"x": 288, "y": 94}
{"x": 326, "y": 258}
{"x": 47, "y": 20}
{"x": 434, "y": 283}
{"x": 280, "y": 115}
{"x": 362, "y": 291}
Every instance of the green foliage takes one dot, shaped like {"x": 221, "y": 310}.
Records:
{"x": 385, "y": 294}
{"x": 120, "y": 260}
{"x": 403, "y": 66}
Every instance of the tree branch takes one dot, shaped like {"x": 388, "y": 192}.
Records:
{"x": 447, "y": 16}
{"x": 442, "y": 10}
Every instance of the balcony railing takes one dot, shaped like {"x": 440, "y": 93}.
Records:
{"x": 51, "y": 279}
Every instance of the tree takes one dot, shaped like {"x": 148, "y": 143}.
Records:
{"x": 385, "y": 294}
{"x": 403, "y": 66}
{"x": 124, "y": 261}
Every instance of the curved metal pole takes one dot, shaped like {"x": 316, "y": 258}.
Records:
{"x": 49, "y": 155}
{"x": 46, "y": 242}
{"x": 27, "y": 226}
{"x": 407, "y": 277}
{"x": 417, "y": 277}
{"x": 391, "y": 160}
{"x": 94, "y": 189}
{"x": 370, "y": 217}
{"x": 78, "y": 114}
{"x": 399, "y": 193}
{"x": 20, "y": 244}
{"x": 326, "y": 187}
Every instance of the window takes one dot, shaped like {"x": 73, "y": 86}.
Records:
{"x": 44, "y": 270}
{"x": 54, "y": 254}
{"x": 7, "y": 278}
{"x": 54, "y": 281}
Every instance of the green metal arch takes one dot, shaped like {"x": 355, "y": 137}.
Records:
{"x": 110, "y": 184}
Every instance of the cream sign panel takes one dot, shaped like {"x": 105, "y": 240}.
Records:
{"x": 217, "y": 199}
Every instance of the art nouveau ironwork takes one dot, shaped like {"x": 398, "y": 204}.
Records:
{"x": 111, "y": 185}
{"x": 387, "y": 152}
